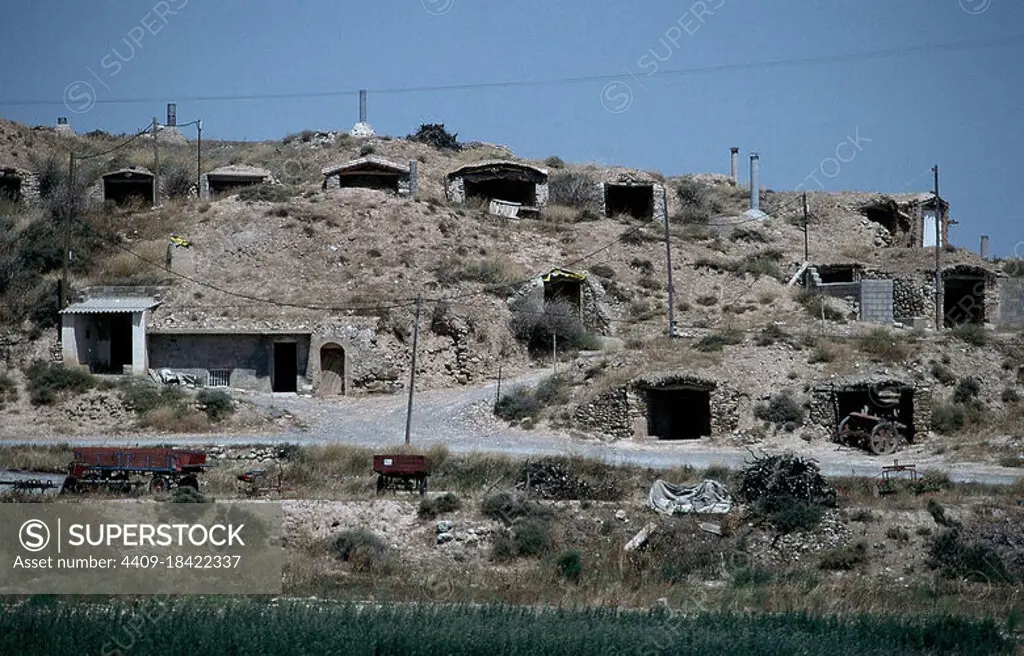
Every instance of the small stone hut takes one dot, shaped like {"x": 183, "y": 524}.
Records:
{"x": 514, "y": 186}
{"x": 229, "y": 179}
{"x": 892, "y": 396}
{"x": 373, "y": 172}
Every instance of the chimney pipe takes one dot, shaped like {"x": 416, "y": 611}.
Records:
{"x": 755, "y": 189}
{"x": 735, "y": 164}
{"x": 984, "y": 247}
{"x": 362, "y": 105}
{"x": 172, "y": 115}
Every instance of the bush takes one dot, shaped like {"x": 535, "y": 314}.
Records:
{"x": 188, "y": 494}
{"x": 816, "y": 304}
{"x": 947, "y": 418}
{"x": 782, "y": 409}
{"x": 570, "y": 565}
{"x": 507, "y": 506}
{"x": 1009, "y": 395}
{"x": 435, "y": 134}
{"x": 216, "y": 404}
{"x": 267, "y": 193}
{"x": 972, "y": 333}
{"x": 574, "y": 189}
{"x": 45, "y": 381}
{"x": 537, "y": 324}
{"x": 554, "y": 162}
{"x": 943, "y": 374}
{"x": 363, "y": 549}
{"x": 427, "y": 509}
{"x": 602, "y": 271}
{"x": 531, "y": 537}
{"x": 698, "y": 203}
{"x": 717, "y": 341}
{"x": 517, "y": 404}
{"x": 498, "y": 271}
{"x": 883, "y": 345}
{"x": 787, "y": 490}
{"x": 770, "y": 334}
{"x": 8, "y": 390}
{"x": 788, "y": 515}
{"x": 448, "y": 502}
{"x": 966, "y": 390}
{"x": 956, "y": 555}
{"x": 844, "y": 558}
{"x": 177, "y": 180}
{"x": 143, "y": 396}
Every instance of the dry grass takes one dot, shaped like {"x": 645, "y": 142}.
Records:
{"x": 135, "y": 267}
{"x": 173, "y": 419}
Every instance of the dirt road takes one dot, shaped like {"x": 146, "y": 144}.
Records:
{"x": 462, "y": 420}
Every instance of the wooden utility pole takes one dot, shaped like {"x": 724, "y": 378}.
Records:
{"x": 412, "y": 373}
{"x": 554, "y": 352}
{"x": 938, "y": 252}
{"x": 69, "y": 218}
{"x": 668, "y": 268}
{"x": 807, "y": 257}
{"x": 156, "y": 166}
{"x": 199, "y": 156}
{"x": 497, "y": 396}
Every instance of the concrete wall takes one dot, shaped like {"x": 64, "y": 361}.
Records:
{"x": 876, "y": 301}
{"x": 83, "y": 343}
{"x": 1011, "y": 304}
{"x": 249, "y": 357}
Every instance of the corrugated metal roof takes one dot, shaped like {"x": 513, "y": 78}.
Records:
{"x": 111, "y": 304}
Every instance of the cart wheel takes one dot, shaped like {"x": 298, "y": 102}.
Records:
{"x": 189, "y": 481}
{"x": 883, "y": 439}
{"x": 843, "y": 432}
{"x": 158, "y": 484}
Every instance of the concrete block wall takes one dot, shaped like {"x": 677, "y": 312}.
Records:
{"x": 249, "y": 357}
{"x": 1011, "y": 303}
{"x": 876, "y": 301}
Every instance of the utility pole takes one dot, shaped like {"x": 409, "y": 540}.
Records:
{"x": 199, "y": 156}
{"x": 668, "y": 268}
{"x": 69, "y": 218}
{"x": 554, "y": 352}
{"x": 938, "y": 253}
{"x": 156, "y": 166}
{"x": 412, "y": 373}
{"x": 497, "y": 396}
{"x": 807, "y": 257}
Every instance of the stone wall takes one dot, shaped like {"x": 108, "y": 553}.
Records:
{"x": 621, "y": 412}
{"x": 822, "y": 409}
{"x": 29, "y": 183}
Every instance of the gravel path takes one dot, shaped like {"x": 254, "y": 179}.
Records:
{"x": 462, "y": 420}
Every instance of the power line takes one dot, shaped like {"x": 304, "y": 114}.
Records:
{"x": 957, "y": 46}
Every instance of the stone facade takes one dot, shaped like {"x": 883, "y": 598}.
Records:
{"x": 455, "y": 184}
{"x": 622, "y": 412}
{"x": 659, "y": 205}
{"x": 26, "y": 181}
{"x": 823, "y": 406}
{"x": 372, "y": 172}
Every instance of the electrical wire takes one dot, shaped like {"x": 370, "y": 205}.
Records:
{"x": 956, "y": 46}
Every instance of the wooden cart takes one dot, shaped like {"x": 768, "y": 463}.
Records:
{"x": 401, "y": 472}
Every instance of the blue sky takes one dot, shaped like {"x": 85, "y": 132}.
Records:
{"x": 959, "y": 108}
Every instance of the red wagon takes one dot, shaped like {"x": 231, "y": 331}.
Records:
{"x": 404, "y": 472}
{"x": 122, "y": 469}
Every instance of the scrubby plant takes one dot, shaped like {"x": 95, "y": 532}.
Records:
{"x": 817, "y": 305}
{"x": 947, "y": 418}
{"x": 943, "y": 374}
{"x": 697, "y": 201}
{"x": 1009, "y": 395}
{"x": 448, "y": 502}
{"x": 576, "y": 189}
{"x": 265, "y": 192}
{"x": 782, "y": 410}
{"x": 532, "y": 536}
{"x": 845, "y": 557}
{"x": 883, "y": 345}
{"x": 717, "y": 341}
{"x": 517, "y": 404}
{"x": 364, "y": 550}
{"x": 435, "y": 135}
{"x": 216, "y": 404}
{"x": 770, "y": 334}
{"x": 8, "y": 390}
{"x": 45, "y": 381}
{"x": 971, "y": 333}
{"x": 188, "y": 494}
{"x": 602, "y": 271}
{"x": 538, "y": 324}
{"x": 966, "y": 390}
{"x": 177, "y": 180}
{"x": 554, "y": 162}
{"x": 570, "y": 565}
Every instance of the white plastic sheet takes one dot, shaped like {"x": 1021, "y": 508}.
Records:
{"x": 706, "y": 497}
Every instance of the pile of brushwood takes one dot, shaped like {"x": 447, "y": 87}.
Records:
{"x": 550, "y": 479}
{"x": 786, "y": 490}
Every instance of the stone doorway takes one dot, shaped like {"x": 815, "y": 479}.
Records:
{"x": 636, "y": 201}
{"x": 332, "y": 370}
{"x": 963, "y": 300}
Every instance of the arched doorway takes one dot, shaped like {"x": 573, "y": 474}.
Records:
{"x": 332, "y": 370}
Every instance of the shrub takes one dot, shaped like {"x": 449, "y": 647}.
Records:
{"x": 782, "y": 409}
{"x": 574, "y": 189}
{"x": 499, "y": 271}
{"x": 363, "y": 549}
{"x": 143, "y": 396}
{"x": 531, "y": 537}
{"x": 770, "y": 334}
{"x": 448, "y": 502}
{"x": 792, "y": 514}
{"x": 787, "y": 490}
{"x": 188, "y": 494}
{"x": 435, "y": 135}
{"x": 956, "y": 555}
{"x": 863, "y": 515}
{"x": 698, "y": 203}
{"x": 972, "y": 333}
{"x": 367, "y": 149}
{"x": 943, "y": 374}
{"x": 816, "y": 305}
{"x": 897, "y": 533}
{"x": 505, "y": 506}
{"x": 966, "y": 390}
{"x": 883, "y": 345}
{"x": 570, "y": 565}
{"x": 45, "y": 381}
{"x": 760, "y": 264}
{"x": 216, "y": 404}
{"x": 553, "y": 390}
{"x": 537, "y": 324}
{"x": 427, "y": 509}
{"x": 554, "y": 162}
{"x": 717, "y": 341}
{"x": 177, "y": 180}
{"x": 1009, "y": 395}
{"x": 938, "y": 513}
{"x": 845, "y": 557}
{"x": 947, "y": 418}
{"x": 267, "y": 193}
{"x": 8, "y": 390}
{"x": 517, "y": 404}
